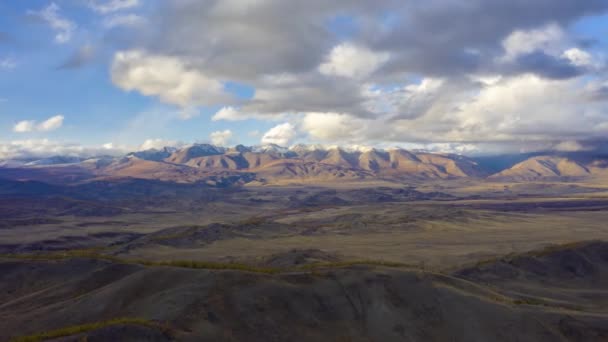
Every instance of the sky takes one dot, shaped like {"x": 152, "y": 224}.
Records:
{"x": 471, "y": 77}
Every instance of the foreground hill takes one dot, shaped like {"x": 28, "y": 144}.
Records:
{"x": 339, "y": 302}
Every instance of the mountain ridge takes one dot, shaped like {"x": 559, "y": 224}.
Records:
{"x": 272, "y": 163}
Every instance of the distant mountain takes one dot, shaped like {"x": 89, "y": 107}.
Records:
{"x": 553, "y": 167}
{"x": 303, "y": 163}
{"x": 184, "y": 155}
{"x": 55, "y": 160}
{"x": 154, "y": 154}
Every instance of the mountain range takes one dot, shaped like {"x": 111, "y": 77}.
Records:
{"x": 269, "y": 164}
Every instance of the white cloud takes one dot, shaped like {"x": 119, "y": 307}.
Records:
{"x": 24, "y": 126}
{"x": 230, "y": 113}
{"x": 124, "y": 20}
{"x": 221, "y": 138}
{"x": 167, "y": 77}
{"x": 63, "y": 27}
{"x": 112, "y": 5}
{"x": 570, "y": 146}
{"x": 280, "y": 135}
{"x": 50, "y": 124}
{"x": 227, "y": 113}
{"x": 158, "y": 144}
{"x": 7, "y": 63}
{"x": 548, "y": 39}
{"x": 330, "y": 126}
{"x": 578, "y": 57}
{"x": 350, "y": 60}
{"x": 40, "y": 148}
{"x": 255, "y": 133}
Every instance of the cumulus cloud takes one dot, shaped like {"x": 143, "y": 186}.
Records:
{"x": 158, "y": 144}
{"x": 112, "y": 5}
{"x": 281, "y": 135}
{"x": 422, "y": 75}
{"x": 522, "y": 42}
{"x": 330, "y": 126}
{"x": 41, "y": 148}
{"x": 24, "y": 126}
{"x": 350, "y": 60}
{"x": 63, "y": 27}
{"x": 167, "y": 77}
{"x": 229, "y": 114}
{"x": 221, "y": 138}
{"x": 50, "y": 124}
{"x": 579, "y": 57}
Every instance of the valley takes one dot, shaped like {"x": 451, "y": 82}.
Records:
{"x": 203, "y": 250}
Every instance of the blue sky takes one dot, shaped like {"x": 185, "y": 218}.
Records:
{"x": 378, "y": 73}
{"x": 35, "y": 87}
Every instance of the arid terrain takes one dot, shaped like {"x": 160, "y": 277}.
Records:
{"x": 415, "y": 247}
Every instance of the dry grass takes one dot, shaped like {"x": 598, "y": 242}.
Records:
{"x": 83, "y": 328}
{"x": 95, "y": 254}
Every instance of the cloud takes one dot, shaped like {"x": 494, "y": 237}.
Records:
{"x": 229, "y": 114}
{"x": 50, "y": 124}
{"x": 571, "y": 146}
{"x": 63, "y": 27}
{"x": 110, "y": 6}
{"x": 579, "y": 57}
{"x": 547, "y": 66}
{"x": 167, "y": 77}
{"x": 406, "y": 72}
{"x": 281, "y": 135}
{"x": 158, "y": 144}
{"x": 523, "y": 42}
{"x": 24, "y": 126}
{"x": 41, "y": 148}
{"x": 7, "y": 63}
{"x": 124, "y": 20}
{"x": 330, "y": 126}
{"x": 221, "y": 138}
{"x": 350, "y": 60}
{"x": 81, "y": 57}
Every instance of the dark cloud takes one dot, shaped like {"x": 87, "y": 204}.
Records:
{"x": 599, "y": 94}
{"x": 431, "y": 36}
{"x": 547, "y": 66}
{"x": 242, "y": 39}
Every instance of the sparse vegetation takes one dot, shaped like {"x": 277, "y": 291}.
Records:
{"x": 87, "y": 327}
{"x": 95, "y": 254}
{"x": 340, "y": 264}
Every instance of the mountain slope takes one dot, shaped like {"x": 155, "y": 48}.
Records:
{"x": 358, "y": 303}
{"x": 544, "y": 167}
